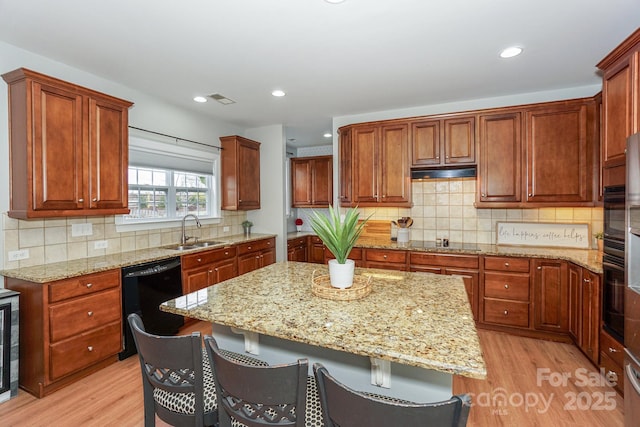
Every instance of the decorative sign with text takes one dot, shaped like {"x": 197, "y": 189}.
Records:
{"x": 543, "y": 234}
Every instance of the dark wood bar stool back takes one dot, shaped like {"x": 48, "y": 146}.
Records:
{"x": 344, "y": 407}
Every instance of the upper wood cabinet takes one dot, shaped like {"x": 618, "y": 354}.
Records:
{"x": 69, "y": 148}
{"x": 312, "y": 181}
{"x": 500, "y": 165}
{"x": 620, "y": 104}
{"x": 240, "y": 173}
{"x": 345, "y": 176}
{"x": 443, "y": 142}
{"x": 554, "y": 142}
{"x": 380, "y": 174}
{"x": 560, "y": 143}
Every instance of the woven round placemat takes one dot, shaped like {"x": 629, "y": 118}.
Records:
{"x": 321, "y": 287}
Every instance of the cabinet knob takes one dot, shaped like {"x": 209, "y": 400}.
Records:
{"x": 249, "y": 248}
{"x": 210, "y": 271}
{"x": 89, "y": 285}
{"x": 199, "y": 260}
{"x": 90, "y": 348}
{"x": 226, "y": 252}
{"x": 269, "y": 243}
{"x": 215, "y": 269}
{"x": 530, "y": 194}
{"x": 95, "y": 199}
{"x": 239, "y": 200}
{"x": 506, "y": 312}
{"x": 612, "y": 350}
{"x": 586, "y": 280}
{"x": 446, "y": 157}
{"x": 437, "y": 157}
{"x": 539, "y": 268}
{"x": 80, "y": 200}
{"x": 89, "y": 313}
{"x": 506, "y": 264}
{"x": 506, "y": 286}
{"x": 612, "y": 376}
{"x": 483, "y": 194}
{"x": 384, "y": 256}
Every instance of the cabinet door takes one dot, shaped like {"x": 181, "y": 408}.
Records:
{"x": 301, "y": 180}
{"x": 345, "y": 160}
{"x": 395, "y": 178}
{"x": 322, "y": 181}
{"x": 459, "y": 141}
{"x": 248, "y": 262}
{"x": 617, "y": 113}
{"x": 249, "y": 176}
{"x": 558, "y": 154}
{"x": 267, "y": 257}
{"x": 499, "y": 169}
{"x": 551, "y": 296}
{"x": 297, "y": 253}
{"x": 365, "y": 164}
{"x": 575, "y": 303}
{"x": 58, "y": 172}
{"x": 196, "y": 279}
{"x": 590, "y": 332}
{"x": 425, "y": 143}
{"x": 108, "y": 155}
{"x": 223, "y": 270}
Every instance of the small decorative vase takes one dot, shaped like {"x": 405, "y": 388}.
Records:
{"x": 600, "y": 245}
{"x": 299, "y": 228}
{"x": 341, "y": 275}
{"x": 247, "y": 231}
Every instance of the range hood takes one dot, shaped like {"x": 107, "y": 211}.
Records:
{"x": 462, "y": 172}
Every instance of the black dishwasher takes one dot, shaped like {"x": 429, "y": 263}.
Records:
{"x": 144, "y": 288}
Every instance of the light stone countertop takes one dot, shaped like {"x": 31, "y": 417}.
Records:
{"x": 64, "y": 270}
{"x": 417, "y": 319}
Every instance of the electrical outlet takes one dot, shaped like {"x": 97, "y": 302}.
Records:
{"x": 100, "y": 244}
{"x": 18, "y": 255}
{"x": 85, "y": 229}
{"x": 225, "y": 229}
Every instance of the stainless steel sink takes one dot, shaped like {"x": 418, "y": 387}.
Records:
{"x": 196, "y": 245}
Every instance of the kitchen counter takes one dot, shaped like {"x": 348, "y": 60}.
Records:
{"x": 429, "y": 325}
{"x": 64, "y": 270}
{"x": 589, "y": 259}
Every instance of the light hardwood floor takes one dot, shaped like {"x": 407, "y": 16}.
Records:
{"x": 113, "y": 396}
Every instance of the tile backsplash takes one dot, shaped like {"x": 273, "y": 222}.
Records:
{"x": 443, "y": 208}
{"x": 51, "y": 240}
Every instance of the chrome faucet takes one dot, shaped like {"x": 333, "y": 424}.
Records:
{"x": 183, "y": 240}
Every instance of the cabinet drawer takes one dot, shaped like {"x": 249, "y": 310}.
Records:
{"x": 508, "y": 313}
{"x": 506, "y": 286}
{"x": 355, "y": 254}
{"x": 82, "y": 314}
{"x": 506, "y": 264}
{"x": 612, "y": 371}
{"x": 444, "y": 260}
{"x": 316, "y": 240}
{"x": 207, "y": 257}
{"x": 84, "y": 350}
{"x": 387, "y": 256}
{"x": 83, "y": 285}
{"x": 258, "y": 245}
{"x": 612, "y": 348}
{"x": 300, "y": 241}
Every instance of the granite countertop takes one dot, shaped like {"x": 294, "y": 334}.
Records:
{"x": 64, "y": 270}
{"x": 587, "y": 258}
{"x": 429, "y": 325}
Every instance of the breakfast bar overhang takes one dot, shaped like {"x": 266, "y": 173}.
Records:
{"x": 410, "y": 335}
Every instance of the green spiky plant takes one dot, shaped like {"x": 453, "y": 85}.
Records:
{"x": 338, "y": 236}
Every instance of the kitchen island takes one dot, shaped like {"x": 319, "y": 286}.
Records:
{"x": 417, "y": 327}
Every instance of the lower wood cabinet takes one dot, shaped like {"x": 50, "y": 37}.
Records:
{"x": 207, "y": 268}
{"x": 68, "y": 329}
{"x": 356, "y": 255}
{"x": 316, "y": 250}
{"x": 612, "y": 360}
{"x": 465, "y": 266}
{"x": 584, "y": 310}
{"x": 256, "y": 254}
{"x": 506, "y": 292}
{"x": 551, "y": 298}
{"x": 387, "y": 259}
{"x": 297, "y": 249}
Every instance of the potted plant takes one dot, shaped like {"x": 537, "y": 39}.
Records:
{"x": 599, "y": 236}
{"x": 339, "y": 237}
{"x": 299, "y": 223}
{"x": 246, "y": 225}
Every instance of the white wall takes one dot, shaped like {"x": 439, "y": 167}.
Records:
{"x": 148, "y": 112}
{"x": 271, "y": 216}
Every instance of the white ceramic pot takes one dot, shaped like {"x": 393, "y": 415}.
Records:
{"x": 403, "y": 235}
{"x": 341, "y": 275}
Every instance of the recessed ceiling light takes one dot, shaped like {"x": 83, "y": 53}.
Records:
{"x": 278, "y": 93}
{"x": 200, "y": 99}
{"x": 510, "y": 52}
{"x": 327, "y": 135}
{"x": 334, "y": 1}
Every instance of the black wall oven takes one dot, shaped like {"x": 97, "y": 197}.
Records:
{"x": 613, "y": 262}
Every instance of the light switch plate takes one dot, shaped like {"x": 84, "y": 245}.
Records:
{"x": 100, "y": 244}
{"x": 18, "y": 255}
{"x": 225, "y": 229}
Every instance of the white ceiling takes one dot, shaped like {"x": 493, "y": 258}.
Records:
{"x": 332, "y": 60}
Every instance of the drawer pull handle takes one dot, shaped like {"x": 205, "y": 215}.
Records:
{"x": 506, "y": 264}
{"x": 89, "y": 285}
{"x": 89, "y": 313}
{"x": 506, "y": 312}
{"x": 612, "y": 350}
{"x": 90, "y": 348}
{"x": 506, "y": 286}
